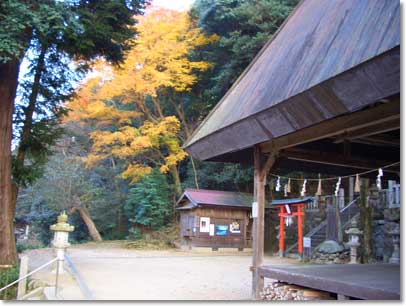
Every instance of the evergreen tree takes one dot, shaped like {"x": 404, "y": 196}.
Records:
{"x": 148, "y": 205}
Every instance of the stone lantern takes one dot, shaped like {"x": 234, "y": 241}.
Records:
{"x": 395, "y": 258}
{"x": 354, "y": 233}
{"x": 61, "y": 234}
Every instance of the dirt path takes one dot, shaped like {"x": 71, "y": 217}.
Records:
{"x": 112, "y": 272}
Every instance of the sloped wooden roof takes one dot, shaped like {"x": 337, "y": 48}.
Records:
{"x": 328, "y": 59}
{"x": 215, "y": 197}
{"x": 205, "y": 197}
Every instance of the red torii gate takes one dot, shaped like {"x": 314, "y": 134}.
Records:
{"x": 291, "y": 208}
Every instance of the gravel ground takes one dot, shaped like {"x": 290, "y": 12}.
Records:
{"x": 115, "y": 273}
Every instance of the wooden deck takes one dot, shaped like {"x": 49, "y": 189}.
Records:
{"x": 367, "y": 281}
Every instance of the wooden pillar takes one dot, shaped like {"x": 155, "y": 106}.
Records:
{"x": 366, "y": 222}
{"x": 281, "y": 233}
{"x": 299, "y": 230}
{"x": 258, "y": 224}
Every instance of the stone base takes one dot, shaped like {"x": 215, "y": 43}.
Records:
{"x": 334, "y": 258}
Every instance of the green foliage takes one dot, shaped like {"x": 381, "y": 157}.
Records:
{"x": 148, "y": 204}
{"x": 243, "y": 26}
{"x": 8, "y": 276}
{"x": 15, "y": 17}
{"x": 220, "y": 176}
{"x": 134, "y": 234}
{"x": 84, "y": 29}
{"x": 21, "y": 246}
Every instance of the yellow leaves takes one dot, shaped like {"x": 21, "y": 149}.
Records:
{"x": 118, "y": 100}
{"x": 160, "y": 57}
{"x": 154, "y": 144}
{"x": 135, "y": 172}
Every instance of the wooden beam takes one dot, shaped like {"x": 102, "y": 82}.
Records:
{"x": 371, "y": 130}
{"x": 384, "y": 113}
{"x": 268, "y": 164}
{"x": 334, "y": 159}
{"x": 379, "y": 140}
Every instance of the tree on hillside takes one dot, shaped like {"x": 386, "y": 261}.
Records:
{"x": 81, "y": 30}
{"x": 133, "y": 122}
{"x": 243, "y": 28}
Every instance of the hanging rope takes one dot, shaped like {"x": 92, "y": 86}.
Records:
{"x": 333, "y": 178}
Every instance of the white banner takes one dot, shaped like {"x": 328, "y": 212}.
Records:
{"x": 255, "y": 209}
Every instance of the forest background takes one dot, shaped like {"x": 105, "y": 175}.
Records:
{"x": 108, "y": 149}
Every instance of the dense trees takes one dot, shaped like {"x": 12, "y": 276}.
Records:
{"x": 80, "y": 30}
{"x": 132, "y": 119}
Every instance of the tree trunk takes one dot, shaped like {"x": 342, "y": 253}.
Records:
{"x": 26, "y": 130}
{"x": 176, "y": 180}
{"x": 84, "y": 214}
{"x": 28, "y": 116}
{"x": 194, "y": 171}
{"x": 8, "y": 86}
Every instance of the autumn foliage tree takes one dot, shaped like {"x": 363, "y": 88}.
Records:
{"x": 131, "y": 121}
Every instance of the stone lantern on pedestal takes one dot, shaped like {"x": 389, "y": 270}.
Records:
{"x": 395, "y": 258}
{"x": 61, "y": 234}
{"x": 354, "y": 233}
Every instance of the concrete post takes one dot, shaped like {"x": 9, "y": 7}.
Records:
{"x": 23, "y": 272}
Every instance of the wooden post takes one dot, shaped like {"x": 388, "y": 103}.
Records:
{"x": 366, "y": 221}
{"x": 281, "y": 233}
{"x": 23, "y": 272}
{"x": 299, "y": 230}
{"x": 338, "y": 219}
{"x": 258, "y": 224}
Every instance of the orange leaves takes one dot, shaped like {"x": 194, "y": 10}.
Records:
{"x": 123, "y": 103}
{"x": 89, "y": 105}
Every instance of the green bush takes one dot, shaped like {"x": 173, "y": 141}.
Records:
{"x": 7, "y": 276}
{"x": 134, "y": 233}
{"x": 21, "y": 246}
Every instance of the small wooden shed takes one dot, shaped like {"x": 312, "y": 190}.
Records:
{"x": 216, "y": 219}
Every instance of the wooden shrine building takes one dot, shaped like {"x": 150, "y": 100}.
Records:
{"x": 322, "y": 96}
{"x": 216, "y": 219}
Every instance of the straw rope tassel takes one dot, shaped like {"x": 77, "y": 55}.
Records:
{"x": 318, "y": 193}
{"x": 337, "y": 186}
{"x": 278, "y": 184}
{"x": 303, "y": 192}
{"x": 357, "y": 187}
{"x": 378, "y": 179}
{"x": 288, "y": 187}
